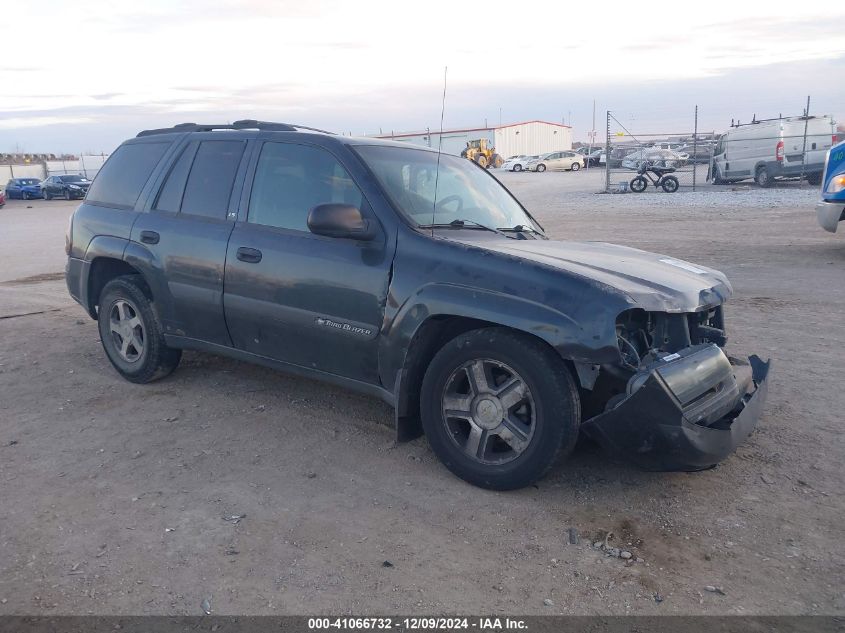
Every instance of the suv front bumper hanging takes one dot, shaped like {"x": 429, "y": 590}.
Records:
{"x": 686, "y": 414}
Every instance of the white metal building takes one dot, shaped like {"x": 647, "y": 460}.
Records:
{"x": 527, "y": 138}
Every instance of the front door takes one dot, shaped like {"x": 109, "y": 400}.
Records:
{"x": 297, "y": 297}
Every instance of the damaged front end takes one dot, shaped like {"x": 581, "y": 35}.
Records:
{"x": 678, "y": 403}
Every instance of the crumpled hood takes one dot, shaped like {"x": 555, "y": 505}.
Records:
{"x": 654, "y": 282}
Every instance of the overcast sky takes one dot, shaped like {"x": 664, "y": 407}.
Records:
{"x": 92, "y": 73}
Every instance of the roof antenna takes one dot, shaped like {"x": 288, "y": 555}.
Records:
{"x": 439, "y": 150}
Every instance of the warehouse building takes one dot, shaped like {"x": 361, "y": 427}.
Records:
{"x": 515, "y": 139}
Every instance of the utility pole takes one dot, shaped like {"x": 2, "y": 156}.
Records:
{"x": 804, "y": 149}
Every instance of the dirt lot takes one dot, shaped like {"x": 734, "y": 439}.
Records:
{"x": 114, "y": 495}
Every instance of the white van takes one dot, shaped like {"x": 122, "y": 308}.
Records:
{"x": 773, "y": 148}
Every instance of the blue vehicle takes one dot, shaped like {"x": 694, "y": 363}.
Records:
{"x": 831, "y": 208}
{"x": 23, "y": 188}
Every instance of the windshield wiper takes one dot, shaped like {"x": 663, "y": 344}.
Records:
{"x": 519, "y": 228}
{"x": 459, "y": 224}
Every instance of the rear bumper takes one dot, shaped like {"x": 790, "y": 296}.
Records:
{"x": 660, "y": 430}
{"x": 830, "y": 214}
{"x": 76, "y": 276}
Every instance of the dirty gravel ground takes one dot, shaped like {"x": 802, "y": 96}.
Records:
{"x": 114, "y": 495}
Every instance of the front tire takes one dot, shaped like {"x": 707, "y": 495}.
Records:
{"x": 541, "y": 167}
{"x": 575, "y": 166}
{"x": 131, "y": 334}
{"x": 639, "y": 184}
{"x": 67, "y": 194}
{"x": 498, "y": 407}
{"x": 46, "y": 195}
{"x": 517, "y": 167}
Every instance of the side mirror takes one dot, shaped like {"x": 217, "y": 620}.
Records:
{"x": 340, "y": 220}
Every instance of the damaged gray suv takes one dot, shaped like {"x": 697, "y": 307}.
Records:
{"x": 414, "y": 277}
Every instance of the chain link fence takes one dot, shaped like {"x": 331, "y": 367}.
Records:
{"x": 664, "y": 162}
{"x": 760, "y": 151}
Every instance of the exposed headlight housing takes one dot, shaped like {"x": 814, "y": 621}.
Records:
{"x": 836, "y": 184}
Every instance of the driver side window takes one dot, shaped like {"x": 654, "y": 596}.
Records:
{"x": 291, "y": 179}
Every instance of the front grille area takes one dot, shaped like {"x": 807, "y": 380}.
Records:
{"x": 640, "y": 333}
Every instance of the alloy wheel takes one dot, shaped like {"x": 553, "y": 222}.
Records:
{"x": 127, "y": 331}
{"x": 489, "y": 411}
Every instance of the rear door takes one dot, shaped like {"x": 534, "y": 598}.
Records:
{"x": 185, "y": 232}
{"x": 297, "y": 297}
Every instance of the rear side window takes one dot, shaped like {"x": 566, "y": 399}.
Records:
{"x": 211, "y": 178}
{"x": 170, "y": 196}
{"x": 120, "y": 181}
{"x": 290, "y": 180}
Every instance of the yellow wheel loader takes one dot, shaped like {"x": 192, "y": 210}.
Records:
{"x": 478, "y": 152}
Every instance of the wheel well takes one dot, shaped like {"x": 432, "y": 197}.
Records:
{"x": 103, "y": 270}
{"x": 430, "y": 337}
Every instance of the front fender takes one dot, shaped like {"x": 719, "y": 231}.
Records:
{"x": 559, "y": 330}
{"x": 441, "y": 299}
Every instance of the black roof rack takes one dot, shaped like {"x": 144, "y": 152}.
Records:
{"x": 246, "y": 124}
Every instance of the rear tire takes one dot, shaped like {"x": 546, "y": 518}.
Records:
{"x": 639, "y": 184}
{"x": 498, "y": 407}
{"x": 482, "y": 161}
{"x": 131, "y": 334}
{"x": 814, "y": 179}
{"x": 762, "y": 177}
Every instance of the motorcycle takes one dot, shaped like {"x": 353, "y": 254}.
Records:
{"x": 669, "y": 184}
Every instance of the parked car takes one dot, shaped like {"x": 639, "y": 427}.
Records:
{"x": 23, "y": 188}
{"x": 699, "y": 153}
{"x": 770, "y": 149}
{"x": 594, "y": 158}
{"x": 617, "y": 155}
{"x": 830, "y": 211}
{"x": 557, "y": 161}
{"x": 338, "y": 258}
{"x": 69, "y": 187}
{"x": 517, "y": 163}
{"x": 655, "y": 156}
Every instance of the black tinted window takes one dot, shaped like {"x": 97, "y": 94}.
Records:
{"x": 170, "y": 196}
{"x": 290, "y": 180}
{"x": 211, "y": 178}
{"x": 125, "y": 173}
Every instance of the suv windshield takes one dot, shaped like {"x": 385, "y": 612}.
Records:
{"x": 464, "y": 191}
